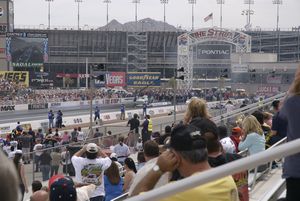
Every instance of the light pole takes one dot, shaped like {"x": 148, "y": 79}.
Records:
{"x": 107, "y": 2}
{"x": 136, "y": 2}
{"x": 49, "y": 2}
{"x": 78, "y": 13}
{"x": 250, "y": 12}
{"x": 192, "y": 2}
{"x": 164, "y": 2}
{"x": 278, "y": 3}
{"x": 247, "y": 13}
{"x": 221, "y": 2}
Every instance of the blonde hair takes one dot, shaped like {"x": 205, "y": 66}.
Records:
{"x": 251, "y": 125}
{"x": 196, "y": 108}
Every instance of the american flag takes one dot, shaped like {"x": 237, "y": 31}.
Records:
{"x": 209, "y": 17}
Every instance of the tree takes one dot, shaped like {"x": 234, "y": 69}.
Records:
{"x": 69, "y": 81}
{"x": 172, "y": 83}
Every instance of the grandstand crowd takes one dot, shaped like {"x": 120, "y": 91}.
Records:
{"x": 106, "y": 167}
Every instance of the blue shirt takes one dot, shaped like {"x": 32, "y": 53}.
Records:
{"x": 254, "y": 142}
{"x": 122, "y": 108}
{"x": 291, "y": 111}
{"x": 112, "y": 191}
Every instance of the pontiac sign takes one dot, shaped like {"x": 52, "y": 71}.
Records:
{"x": 213, "y": 51}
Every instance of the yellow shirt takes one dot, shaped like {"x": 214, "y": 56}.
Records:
{"x": 221, "y": 190}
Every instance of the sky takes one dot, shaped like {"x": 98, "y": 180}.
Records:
{"x": 34, "y": 13}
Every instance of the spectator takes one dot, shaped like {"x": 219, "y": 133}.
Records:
{"x": 55, "y": 162}
{"x": 12, "y": 152}
{"x": 40, "y": 195}
{"x": 90, "y": 168}
{"x": 147, "y": 129}
{"x": 279, "y": 124}
{"x": 168, "y": 130}
{"x": 134, "y": 126}
{"x": 122, "y": 150}
{"x": 10, "y": 184}
{"x": 66, "y": 138}
{"x": 144, "y": 109}
{"x": 229, "y": 106}
{"x": 151, "y": 153}
{"x": 45, "y": 165}
{"x": 243, "y": 104}
{"x": 268, "y": 119}
{"x": 74, "y": 135}
{"x": 81, "y": 135}
{"x": 139, "y": 145}
{"x": 130, "y": 171}
{"x": 122, "y": 117}
{"x": 39, "y": 135}
{"x": 51, "y": 119}
{"x": 253, "y": 138}
{"x": 66, "y": 161}
{"x": 141, "y": 160}
{"x": 21, "y": 173}
{"x": 266, "y": 129}
{"x": 113, "y": 157}
{"x": 196, "y": 109}
{"x": 63, "y": 189}
{"x": 26, "y": 141}
{"x": 290, "y": 112}
{"x": 236, "y": 133}
{"x": 97, "y": 133}
{"x": 37, "y": 153}
{"x": 36, "y": 186}
{"x": 113, "y": 183}
{"x": 226, "y": 142}
{"x": 189, "y": 156}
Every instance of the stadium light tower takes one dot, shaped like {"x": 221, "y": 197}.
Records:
{"x": 107, "y": 2}
{"x": 78, "y": 13}
{"x": 250, "y": 12}
{"x": 49, "y": 2}
{"x": 247, "y": 13}
{"x": 164, "y": 2}
{"x": 278, "y": 3}
{"x": 221, "y": 2}
{"x": 192, "y": 2}
{"x": 136, "y": 2}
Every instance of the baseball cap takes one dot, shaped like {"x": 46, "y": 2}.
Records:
{"x": 19, "y": 151}
{"x": 92, "y": 148}
{"x": 236, "y": 130}
{"x": 186, "y": 138}
{"x": 63, "y": 189}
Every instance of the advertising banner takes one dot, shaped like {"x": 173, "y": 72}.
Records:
{"x": 268, "y": 90}
{"x": 41, "y": 80}
{"x": 115, "y": 79}
{"x": 27, "y": 49}
{"x": 274, "y": 79}
{"x": 19, "y": 77}
{"x": 239, "y": 68}
{"x": 99, "y": 79}
{"x": 213, "y": 51}
{"x": 143, "y": 79}
{"x": 37, "y": 106}
{"x": 6, "y": 108}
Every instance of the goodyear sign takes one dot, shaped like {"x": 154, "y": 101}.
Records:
{"x": 143, "y": 79}
{"x": 19, "y": 77}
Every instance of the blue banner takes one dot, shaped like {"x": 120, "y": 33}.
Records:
{"x": 143, "y": 79}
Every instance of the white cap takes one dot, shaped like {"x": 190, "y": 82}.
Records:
{"x": 92, "y": 148}
{"x": 19, "y": 151}
{"x": 113, "y": 155}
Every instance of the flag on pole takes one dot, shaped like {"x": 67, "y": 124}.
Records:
{"x": 209, "y": 17}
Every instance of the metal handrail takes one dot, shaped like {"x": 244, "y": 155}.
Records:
{"x": 213, "y": 174}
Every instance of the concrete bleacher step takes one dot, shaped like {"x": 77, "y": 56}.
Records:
{"x": 269, "y": 188}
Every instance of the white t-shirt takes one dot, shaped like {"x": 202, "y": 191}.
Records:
{"x": 122, "y": 152}
{"x": 38, "y": 147}
{"x": 228, "y": 145}
{"x": 80, "y": 136}
{"x": 11, "y": 154}
{"x": 84, "y": 193}
{"x": 229, "y": 107}
{"x": 91, "y": 172}
{"x": 164, "y": 179}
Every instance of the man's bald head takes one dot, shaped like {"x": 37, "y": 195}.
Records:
{"x": 40, "y": 195}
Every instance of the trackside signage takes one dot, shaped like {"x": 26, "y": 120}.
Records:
{"x": 6, "y": 108}
{"x": 144, "y": 79}
{"x": 213, "y": 51}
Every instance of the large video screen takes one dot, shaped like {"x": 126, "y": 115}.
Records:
{"x": 26, "y": 49}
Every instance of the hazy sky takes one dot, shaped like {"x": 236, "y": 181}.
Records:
{"x": 178, "y": 12}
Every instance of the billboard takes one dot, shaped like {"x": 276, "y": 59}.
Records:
{"x": 43, "y": 80}
{"x": 115, "y": 79}
{"x": 213, "y": 51}
{"x": 19, "y": 77}
{"x": 27, "y": 49}
{"x": 143, "y": 79}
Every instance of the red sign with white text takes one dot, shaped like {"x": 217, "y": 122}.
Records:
{"x": 115, "y": 79}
